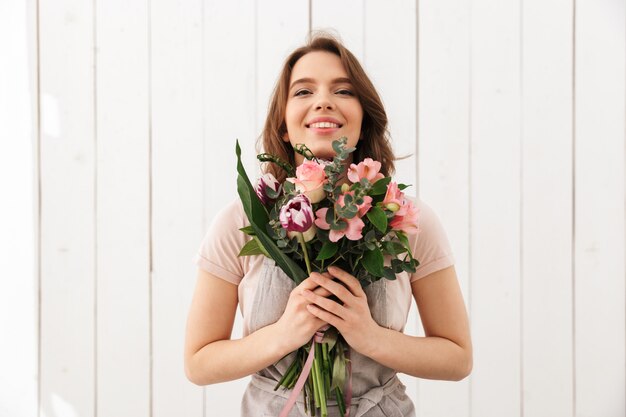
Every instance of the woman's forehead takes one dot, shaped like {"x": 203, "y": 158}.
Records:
{"x": 319, "y": 65}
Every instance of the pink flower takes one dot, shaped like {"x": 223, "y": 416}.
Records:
{"x": 267, "y": 180}
{"x": 363, "y": 208}
{"x": 310, "y": 178}
{"x": 393, "y": 198}
{"x": 368, "y": 168}
{"x": 297, "y": 217}
{"x": 406, "y": 218}
{"x": 352, "y": 231}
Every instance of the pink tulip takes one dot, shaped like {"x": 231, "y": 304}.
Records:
{"x": 297, "y": 217}
{"x": 368, "y": 168}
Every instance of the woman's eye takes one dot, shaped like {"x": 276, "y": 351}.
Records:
{"x": 301, "y": 92}
{"x": 345, "y": 92}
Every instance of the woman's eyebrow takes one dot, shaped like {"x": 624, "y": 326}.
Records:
{"x": 311, "y": 80}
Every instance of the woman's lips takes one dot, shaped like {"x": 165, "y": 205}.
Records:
{"x": 324, "y": 130}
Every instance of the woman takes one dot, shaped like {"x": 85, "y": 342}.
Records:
{"x": 323, "y": 94}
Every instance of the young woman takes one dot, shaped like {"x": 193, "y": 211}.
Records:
{"x": 323, "y": 94}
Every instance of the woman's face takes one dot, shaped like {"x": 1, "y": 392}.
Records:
{"x": 321, "y": 105}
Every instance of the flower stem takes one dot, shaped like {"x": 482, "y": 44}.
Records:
{"x": 306, "y": 253}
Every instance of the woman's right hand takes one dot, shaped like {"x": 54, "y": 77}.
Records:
{"x": 297, "y": 325}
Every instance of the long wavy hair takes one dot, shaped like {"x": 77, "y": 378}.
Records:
{"x": 374, "y": 142}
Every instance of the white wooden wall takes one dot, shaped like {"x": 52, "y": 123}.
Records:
{"x": 117, "y": 128}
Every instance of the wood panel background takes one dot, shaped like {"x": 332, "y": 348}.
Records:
{"x": 117, "y": 129}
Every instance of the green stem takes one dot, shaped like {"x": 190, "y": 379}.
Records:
{"x": 306, "y": 253}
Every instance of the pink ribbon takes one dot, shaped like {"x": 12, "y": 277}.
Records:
{"x": 291, "y": 401}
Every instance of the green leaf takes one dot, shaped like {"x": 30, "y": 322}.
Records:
{"x": 258, "y": 218}
{"x": 403, "y": 186}
{"x": 373, "y": 262}
{"x": 378, "y": 218}
{"x": 248, "y": 230}
{"x": 252, "y": 247}
{"x": 380, "y": 186}
{"x": 328, "y": 250}
{"x": 388, "y": 273}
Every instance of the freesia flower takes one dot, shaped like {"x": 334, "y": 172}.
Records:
{"x": 352, "y": 231}
{"x": 393, "y": 198}
{"x": 297, "y": 217}
{"x": 310, "y": 180}
{"x": 267, "y": 180}
{"x": 368, "y": 168}
{"x": 406, "y": 218}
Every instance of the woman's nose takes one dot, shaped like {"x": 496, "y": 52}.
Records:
{"x": 324, "y": 103}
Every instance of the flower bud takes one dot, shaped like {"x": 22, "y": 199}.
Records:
{"x": 267, "y": 181}
{"x": 297, "y": 214}
{"x": 392, "y": 207}
{"x": 345, "y": 188}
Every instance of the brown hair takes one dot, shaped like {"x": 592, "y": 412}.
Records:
{"x": 374, "y": 142}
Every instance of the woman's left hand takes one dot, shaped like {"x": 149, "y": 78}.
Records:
{"x": 353, "y": 319}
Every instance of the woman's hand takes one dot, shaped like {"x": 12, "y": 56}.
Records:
{"x": 297, "y": 324}
{"x": 353, "y": 319}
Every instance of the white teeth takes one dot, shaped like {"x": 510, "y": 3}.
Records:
{"x": 324, "y": 125}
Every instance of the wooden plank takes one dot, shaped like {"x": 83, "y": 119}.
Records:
{"x": 599, "y": 270}
{"x": 443, "y": 154}
{"x": 176, "y": 99}
{"x": 495, "y": 207}
{"x": 19, "y": 212}
{"x": 123, "y": 210}
{"x": 68, "y": 372}
{"x": 345, "y": 19}
{"x": 230, "y": 113}
{"x": 547, "y": 371}
{"x": 393, "y": 73}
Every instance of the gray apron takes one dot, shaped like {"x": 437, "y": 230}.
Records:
{"x": 376, "y": 389}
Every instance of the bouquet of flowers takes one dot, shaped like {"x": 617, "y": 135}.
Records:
{"x": 318, "y": 218}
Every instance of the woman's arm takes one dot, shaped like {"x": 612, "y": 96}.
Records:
{"x": 210, "y": 355}
{"x": 446, "y": 351}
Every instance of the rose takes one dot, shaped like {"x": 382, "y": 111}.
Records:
{"x": 267, "y": 181}
{"x": 406, "y": 218}
{"x": 310, "y": 180}
{"x": 296, "y": 216}
{"x": 368, "y": 168}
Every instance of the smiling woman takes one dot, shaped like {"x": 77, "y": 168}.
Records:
{"x": 322, "y": 94}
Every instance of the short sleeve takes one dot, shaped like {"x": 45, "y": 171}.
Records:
{"x": 430, "y": 245}
{"x": 221, "y": 244}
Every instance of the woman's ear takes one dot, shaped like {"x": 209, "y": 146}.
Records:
{"x": 285, "y": 137}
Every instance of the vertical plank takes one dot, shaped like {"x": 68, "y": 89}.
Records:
{"x": 123, "y": 212}
{"x": 599, "y": 216}
{"x": 345, "y": 18}
{"x": 393, "y": 73}
{"x": 443, "y": 153}
{"x": 176, "y": 142}
{"x": 547, "y": 371}
{"x": 229, "y": 95}
{"x": 495, "y": 207}
{"x": 68, "y": 371}
{"x": 19, "y": 211}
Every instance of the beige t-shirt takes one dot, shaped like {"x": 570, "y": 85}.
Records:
{"x": 223, "y": 241}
